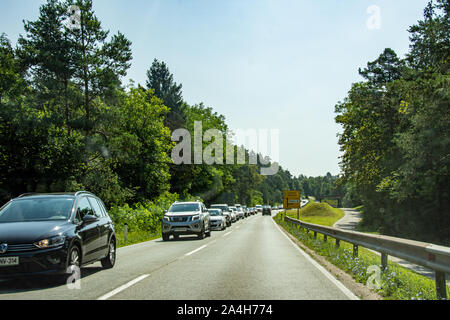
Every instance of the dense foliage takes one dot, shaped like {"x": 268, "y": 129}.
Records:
{"x": 68, "y": 123}
{"x": 396, "y": 134}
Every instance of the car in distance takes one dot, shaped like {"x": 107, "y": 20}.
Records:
{"x": 218, "y": 220}
{"x": 246, "y": 211}
{"x": 240, "y": 212}
{"x": 266, "y": 210}
{"x": 259, "y": 208}
{"x": 52, "y": 233}
{"x": 186, "y": 218}
{"x": 226, "y": 211}
{"x": 234, "y": 214}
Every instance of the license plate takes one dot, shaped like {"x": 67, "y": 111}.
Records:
{"x": 9, "y": 261}
{"x": 180, "y": 229}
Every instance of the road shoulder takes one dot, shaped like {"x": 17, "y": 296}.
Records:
{"x": 358, "y": 289}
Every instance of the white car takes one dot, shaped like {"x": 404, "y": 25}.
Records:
{"x": 234, "y": 216}
{"x": 218, "y": 220}
{"x": 240, "y": 211}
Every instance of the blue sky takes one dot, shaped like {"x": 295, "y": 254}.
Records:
{"x": 263, "y": 64}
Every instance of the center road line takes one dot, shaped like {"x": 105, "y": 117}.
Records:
{"x": 121, "y": 288}
{"x": 194, "y": 251}
{"x": 227, "y": 234}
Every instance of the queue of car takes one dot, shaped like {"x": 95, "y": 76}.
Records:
{"x": 56, "y": 233}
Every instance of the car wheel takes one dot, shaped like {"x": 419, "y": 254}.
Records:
{"x": 165, "y": 236}
{"x": 208, "y": 234}
{"x": 73, "y": 262}
{"x": 201, "y": 235}
{"x": 110, "y": 260}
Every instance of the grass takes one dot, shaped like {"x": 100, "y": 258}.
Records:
{"x": 396, "y": 283}
{"x": 318, "y": 213}
{"x": 134, "y": 237}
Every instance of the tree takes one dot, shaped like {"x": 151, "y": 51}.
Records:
{"x": 387, "y": 68}
{"x": 161, "y": 81}
{"x": 430, "y": 43}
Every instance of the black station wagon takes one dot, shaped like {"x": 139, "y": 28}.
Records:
{"x": 54, "y": 232}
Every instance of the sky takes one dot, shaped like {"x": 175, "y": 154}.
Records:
{"x": 263, "y": 64}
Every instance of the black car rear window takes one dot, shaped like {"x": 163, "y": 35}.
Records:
{"x": 37, "y": 209}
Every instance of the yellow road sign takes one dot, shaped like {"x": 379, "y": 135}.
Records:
{"x": 291, "y": 199}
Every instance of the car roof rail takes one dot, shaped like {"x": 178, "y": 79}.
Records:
{"x": 27, "y": 194}
{"x": 82, "y": 192}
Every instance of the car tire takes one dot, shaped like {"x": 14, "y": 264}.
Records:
{"x": 176, "y": 236}
{"x": 201, "y": 235}
{"x": 165, "y": 236}
{"x": 73, "y": 259}
{"x": 110, "y": 260}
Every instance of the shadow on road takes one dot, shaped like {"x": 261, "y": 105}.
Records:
{"x": 33, "y": 283}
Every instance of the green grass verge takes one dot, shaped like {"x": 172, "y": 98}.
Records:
{"x": 397, "y": 283}
{"x": 318, "y": 213}
{"x": 135, "y": 237}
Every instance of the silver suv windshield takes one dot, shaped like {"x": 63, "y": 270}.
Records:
{"x": 182, "y": 207}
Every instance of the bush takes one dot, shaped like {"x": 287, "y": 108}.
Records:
{"x": 143, "y": 216}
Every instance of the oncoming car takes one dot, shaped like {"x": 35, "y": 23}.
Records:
{"x": 266, "y": 210}
{"x": 185, "y": 218}
{"x": 53, "y": 233}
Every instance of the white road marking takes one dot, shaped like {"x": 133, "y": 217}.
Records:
{"x": 121, "y": 288}
{"x": 339, "y": 284}
{"x": 194, "y": 251}
{"x": 227, "y": 233}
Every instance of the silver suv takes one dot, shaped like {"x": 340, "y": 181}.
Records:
{"x": 185, "y": 218}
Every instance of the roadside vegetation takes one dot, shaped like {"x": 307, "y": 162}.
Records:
{"x": 396, "y": 135}
{"x": 68, "y": 122}
{"x": 397, "y": 283}
{"x": 318, "y": 213}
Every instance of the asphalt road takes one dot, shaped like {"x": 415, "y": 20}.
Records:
{"x": 253, "y": 259}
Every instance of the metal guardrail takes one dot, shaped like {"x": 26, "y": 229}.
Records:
{"x": 425, "y": 254}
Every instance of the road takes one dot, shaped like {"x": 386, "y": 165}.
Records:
{"x": 251, "y": 260}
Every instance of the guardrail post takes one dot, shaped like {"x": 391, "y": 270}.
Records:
{"x": 325, "y": 238}
{"x": 125, "y": 231}
{"x": 355, "y": 251}
{"x": 315, "y": 235}
{"x": 441, "y": 286}
{"x": 338, "y": 243}
{"x": 384, "y": 261}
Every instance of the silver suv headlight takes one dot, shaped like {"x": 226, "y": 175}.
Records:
{"x": 196, "y": 217}
{"x": 166, "y": 218}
